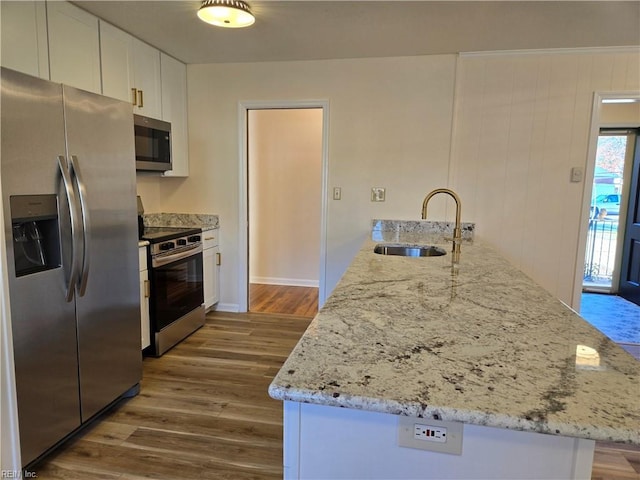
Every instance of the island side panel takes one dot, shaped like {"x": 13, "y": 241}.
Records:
{"x": 339, "y": 443}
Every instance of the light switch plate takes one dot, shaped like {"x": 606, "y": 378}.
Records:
{"x": 337, "y": 193}
{"x": 377, "y": 194}
{"x": 576, "y": 174}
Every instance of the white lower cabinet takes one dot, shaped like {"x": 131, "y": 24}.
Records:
{"x": 144, "y": 299}
{"x": 211, "y": 268}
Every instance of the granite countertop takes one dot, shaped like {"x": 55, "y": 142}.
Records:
{"x": 477, "y": 342}
{"x": 198, "y": 220}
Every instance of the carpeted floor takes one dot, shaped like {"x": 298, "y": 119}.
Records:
{"x": 616, "y": 317}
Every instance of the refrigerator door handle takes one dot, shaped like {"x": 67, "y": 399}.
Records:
{"x": 75, "y": 230}
{"x": 86, "y": 224}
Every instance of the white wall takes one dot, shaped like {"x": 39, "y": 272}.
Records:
{"x": 620, "y": 114}
{"x": 285, "y": 180}
{"x": 522, "y": 122}
{"x": 389, "y": 126}
{"x": 148, "y": 188}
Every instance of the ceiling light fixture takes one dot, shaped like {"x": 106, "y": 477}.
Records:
{"x": 619, "y": 100}
{"x": 226, "y": 13}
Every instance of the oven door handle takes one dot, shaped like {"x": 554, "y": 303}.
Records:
{"x": 164, "y": 260}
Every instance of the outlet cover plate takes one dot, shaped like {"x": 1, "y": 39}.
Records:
{"x": 407, "y": 429}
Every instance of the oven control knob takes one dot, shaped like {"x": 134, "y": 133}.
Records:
{"x": 167, "y": 246}
{"x": 194, "y": 238}
{"x": 182, "y": 241}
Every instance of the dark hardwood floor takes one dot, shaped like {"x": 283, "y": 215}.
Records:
{"x": 203, "y": 412}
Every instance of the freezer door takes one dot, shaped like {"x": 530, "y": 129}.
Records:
{"x": 101, "y": 151}
{"x": 43, "y": 323}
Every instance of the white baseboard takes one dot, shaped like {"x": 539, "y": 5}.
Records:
{"x": 227, "y": 307}
{"x": 293, "y": 282}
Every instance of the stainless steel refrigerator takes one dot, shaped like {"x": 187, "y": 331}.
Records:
{"x": 69, "y": 199}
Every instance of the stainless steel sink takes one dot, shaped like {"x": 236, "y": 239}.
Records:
{"x": 405, "y": 250}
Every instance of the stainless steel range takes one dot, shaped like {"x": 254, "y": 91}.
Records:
{"x": 177, "y": 295}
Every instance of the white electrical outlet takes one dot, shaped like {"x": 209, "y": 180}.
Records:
{"x": 428, "y": 434}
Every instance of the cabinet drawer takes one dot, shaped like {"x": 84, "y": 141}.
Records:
{"x": 142, "y": 258}
{"x": 210, "y": 238}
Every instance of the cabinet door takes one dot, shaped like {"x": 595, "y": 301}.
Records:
{"x": 24, "y": 38}
{"x": 145, "y": 337}
{"x": 174, "y": 110}
{"x": 74, "y": 46}
{"x": 145, "y": 328}
{"x": 147, "y": 79}
{"x": 211, "y": 267}
{"x": 116, "y": 59}
{"x": 208, "y": 270}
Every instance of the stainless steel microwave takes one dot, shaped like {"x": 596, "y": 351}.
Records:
{"x": 153, "y": 144}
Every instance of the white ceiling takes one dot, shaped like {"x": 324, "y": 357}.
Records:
{"x": 312, "y": 30}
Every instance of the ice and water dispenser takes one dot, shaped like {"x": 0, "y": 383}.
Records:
{"x": 36, "y": 236}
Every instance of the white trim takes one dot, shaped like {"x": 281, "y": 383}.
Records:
{"x": 554, "y": 51}
{"x": 226, "y": 307}
{"x": 456, "y": 106}
{"x": 243, "y": 221}
{"x": 583, "y": 453}
{"x": 594, "y": 132}
{"x": 293, "y": 282}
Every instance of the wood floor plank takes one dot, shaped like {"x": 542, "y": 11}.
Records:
{"x": 203, "y": 412}
{"x": 283, "y": 299}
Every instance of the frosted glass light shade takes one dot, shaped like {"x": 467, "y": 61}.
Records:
{"x": 226, "y": 13}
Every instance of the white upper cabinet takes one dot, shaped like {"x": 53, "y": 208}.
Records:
{"x": 74, "y": 47}
{"x": 147, "y": 77}
{"x": 24, "y": 38}
{"x": 130, "y": 71}
{"x": 174, "y": 110}
{"x": 116, "y": 58}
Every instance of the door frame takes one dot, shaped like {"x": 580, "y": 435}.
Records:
{"x": 594, "y": 132}
{"x": 243, "y": 188}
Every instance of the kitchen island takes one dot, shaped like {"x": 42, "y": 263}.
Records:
{"x": 477, "y": 343}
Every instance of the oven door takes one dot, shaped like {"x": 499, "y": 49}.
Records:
{"x": 176, "y": 287}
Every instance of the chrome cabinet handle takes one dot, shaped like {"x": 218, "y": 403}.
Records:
{"x": 147, "y": 289}
{"x": 134, "y": 97}
{"x": 76, "y": 238}
{"x": 140, "y": 99}
{"x": 86, "y": 224}
{"x": 218, "y": 258}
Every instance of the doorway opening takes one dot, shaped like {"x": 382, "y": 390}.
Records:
{"x": 613, "y": 149}
{"x": 610, "y": 276}
{"x": 284, "y": 184}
